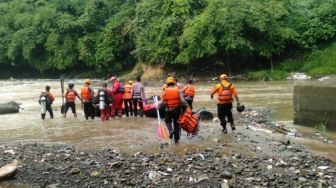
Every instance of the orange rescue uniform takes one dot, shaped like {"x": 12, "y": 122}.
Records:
{"x": 189, "y": 91}
{"x": 171, "y": 96}
{"x": 128, "y": 91}
{"x": 86, "y": 93}
{"x": 224, "y": 93}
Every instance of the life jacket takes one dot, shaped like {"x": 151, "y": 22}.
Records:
{"x": 190, "y": 91}
{"x": 70, "y": 95}
{"x": 128, "y": 91}
{"x": 225, "y": 95}
{"x": 172, "y": 97}
{"x": 86, "y": 94}
{"x": 189, "y": 122}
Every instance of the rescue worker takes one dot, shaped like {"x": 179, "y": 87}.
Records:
{"x": 118, "y": 92}
{"x": 48, "y": 98}
{"x": 173, "y": 101}
{"x": 128, "y": 98}
{"x": 225, "y": 90}
{"x": 104, "y": 95}
{"x": 87, "y": 97}
{"x": 70, "y": 97}
{"x": 138, "y": 96}
{"x": 189, "y": 92}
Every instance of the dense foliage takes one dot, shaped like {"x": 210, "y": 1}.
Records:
{"x": 113, "y": 35}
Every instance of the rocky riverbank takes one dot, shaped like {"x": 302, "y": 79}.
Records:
{"x": 251, "y": 158}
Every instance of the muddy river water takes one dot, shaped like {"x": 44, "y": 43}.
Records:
{"x": 127, "y": 134}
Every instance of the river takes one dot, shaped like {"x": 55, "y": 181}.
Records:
{"x": 127, "y": 134}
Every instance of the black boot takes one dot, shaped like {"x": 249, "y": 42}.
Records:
{"x": 171, "y": 134}
{"x": 233, "y": 127}
{"x": 224, "y": 128}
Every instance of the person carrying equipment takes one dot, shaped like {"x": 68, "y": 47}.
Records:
{"x": 104, "y": 97}
{"x": 70, "y": 97}
{"x": 128, "y": 98}
{"x": 46, "y": 99}
{"x": 87, "y": 97}
{"x": 225, "y": 90}
{"x": 118, "y": 92}
{"x": 138, "y": 96}
{"x": 189, "y": 92}
{"x": 173, "y": 101}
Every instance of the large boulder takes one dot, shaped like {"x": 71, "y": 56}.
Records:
{"x": 9, "y": 107}
{"x": 314, "y": 103}
{"x": 204, "y": 114}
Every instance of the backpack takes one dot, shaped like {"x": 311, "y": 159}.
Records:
{"x": 189, "y": 122}
{"x": 225, "y": 96}
{"x": 121, "y": 88}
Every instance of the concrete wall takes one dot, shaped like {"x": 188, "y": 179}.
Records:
{"x": 315, "y": 103}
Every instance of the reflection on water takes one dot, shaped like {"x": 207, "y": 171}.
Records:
{"x": 128, "y": 134}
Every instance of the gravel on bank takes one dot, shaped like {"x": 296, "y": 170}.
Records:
{"x": 263, "y": 162}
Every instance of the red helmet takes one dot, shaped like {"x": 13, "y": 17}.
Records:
{"x": 113, "y": 78}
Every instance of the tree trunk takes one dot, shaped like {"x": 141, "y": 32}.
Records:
{"x": 271, "y": 64}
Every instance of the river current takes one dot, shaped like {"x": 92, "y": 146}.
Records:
{"x": 127, "y": 134}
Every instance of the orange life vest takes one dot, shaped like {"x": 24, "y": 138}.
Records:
{"x": 190, "y": 91}
{"x": 70, "y": 96}
{"x": 189, "y": 122}
{"x": 225, "y": 95}
{"x": 172, "y": 97}
{"x": 128, "y": 91}
{"x": 86, "y": 93}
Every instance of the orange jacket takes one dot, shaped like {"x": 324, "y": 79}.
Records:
{"x": 224, "y": 94}
{"x": 189, "y": 91}
{"x": 71, "y": 95}
{"x": 171, "y": 96}
{"x": 128, "y": 91}
{"x": 86, "y": 93}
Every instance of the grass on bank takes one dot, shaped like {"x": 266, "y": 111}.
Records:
{"x": 267, "y": 75}
{"x": 316, "y": 64}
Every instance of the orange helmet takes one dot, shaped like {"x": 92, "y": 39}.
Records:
{"x": 87, "y": 81}
{"x": 223, "y": 76}
{"x": 170, "y": 80}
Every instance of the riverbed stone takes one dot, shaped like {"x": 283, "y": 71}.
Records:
{"x": 204, "y": 114}
{"x": 9, "y": 107}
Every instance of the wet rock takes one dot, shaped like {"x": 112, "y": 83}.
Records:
{"x": 74, "y": 171}
{"x": 204, "y": 114}
{"x": 226, "y": 175}
{"x": 9, "y": 107}
{"x": 202, "y": 178}
{"x": 302, "y": 179}
{"x": 55, "y": 185}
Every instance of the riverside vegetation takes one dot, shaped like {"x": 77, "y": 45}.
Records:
{"x": 112, "y": 36}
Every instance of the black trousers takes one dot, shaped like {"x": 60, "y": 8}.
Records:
{"x": 224, "y": 110}
{"x": 135, "y": 106}
{"x": 190, "y": 101}
{"x": 89, "y": 110}
{"x": 49, "y": 109}
{"x": 172, "y": 117}
{"x": 128, "y": 106}
{"x": 71, "y": 105}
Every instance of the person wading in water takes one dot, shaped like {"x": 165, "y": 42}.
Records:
{"x": 173, "y": 101}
